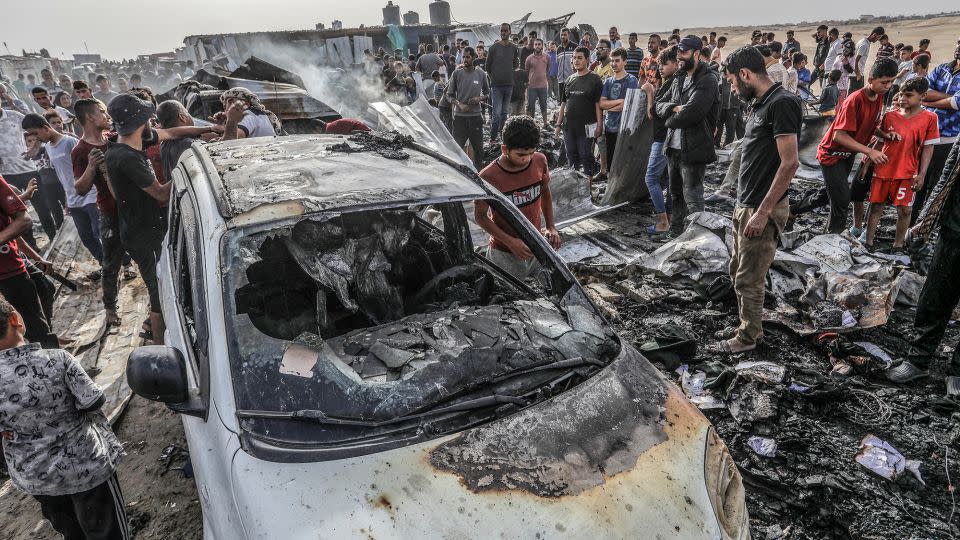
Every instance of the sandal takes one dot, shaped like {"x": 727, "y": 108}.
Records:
{"x": 652, "y": 229}
{"x": 730, "y": 331}
{"x": 129, "y": 273}
{"x": 724, "y": 347}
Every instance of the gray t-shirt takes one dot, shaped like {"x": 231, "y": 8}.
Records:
{"x": 105, "y": 97}
{"x": 12, "y": 144}
{"x": 50, "y": 446}
{"x": 465, "y": 85}
{"x": 256, "y": 125}
{"x": 429, "y": 63}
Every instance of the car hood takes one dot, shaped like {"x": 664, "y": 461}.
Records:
{"x": 621, "y": 455}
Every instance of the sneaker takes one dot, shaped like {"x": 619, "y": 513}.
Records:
{"x": 905, "y": 372}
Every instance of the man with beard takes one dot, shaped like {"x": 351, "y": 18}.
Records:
{"x": 564, "y": 60}
{"x": 649, "y": 66}
{"x": 503, "y": 58}
{"x": 942, "y": 98}
{"x": 820, "y": 56}
{"x": 467, "y": 91}
{"x": 769, "y": 161}
{"x": 690, "y": 116}
{"x": 537, "y": 66}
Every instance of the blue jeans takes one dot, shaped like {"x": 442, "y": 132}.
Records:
{"x": 657, "y": 178}
{"x": 87, "y": 220}
{"x": 500, "y": 100}
{"x": 579, "y": 150}
{"x": 533, "y": 96}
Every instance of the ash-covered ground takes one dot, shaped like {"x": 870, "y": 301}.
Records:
{"x": 812, "y": 487}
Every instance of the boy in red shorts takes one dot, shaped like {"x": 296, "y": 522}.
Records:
{"x": 909, "y": 153}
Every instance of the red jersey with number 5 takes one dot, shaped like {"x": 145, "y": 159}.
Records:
{"x": 904, "y": 155}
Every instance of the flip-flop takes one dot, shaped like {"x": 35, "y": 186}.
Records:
{"x": 652, "y": 229}
{"x": 731, "y": 331}
{"x": 129, "y": 274}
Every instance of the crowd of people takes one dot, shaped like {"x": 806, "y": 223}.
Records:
{"x": 101, "y": 151}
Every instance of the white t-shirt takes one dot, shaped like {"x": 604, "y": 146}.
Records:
{"x": 908, "y": 66}
{"x": 256, "y": 125}
{"x": 776, "y": 72}
{"x": 59, "y": 155}
{"x": 863, "y": 50}
{"x": 832, "y": 53}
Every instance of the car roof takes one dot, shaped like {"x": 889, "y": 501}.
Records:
{"x": 316, "y": 172}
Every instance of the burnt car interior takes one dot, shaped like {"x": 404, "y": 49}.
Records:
{"x": 363, "y": 324}
{"x": 362, "y": 269}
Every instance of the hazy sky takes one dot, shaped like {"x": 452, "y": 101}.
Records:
{"x": 125, "y": 28}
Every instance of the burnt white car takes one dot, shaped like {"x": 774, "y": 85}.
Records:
{"x": 348, "y": 366}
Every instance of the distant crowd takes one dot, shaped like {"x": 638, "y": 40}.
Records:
{"x": 101, "y": 151}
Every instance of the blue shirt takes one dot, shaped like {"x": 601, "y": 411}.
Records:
{"x": 614, "y": 88}
{"x": 943, "y": 80}
{"x": 552, "y": 70}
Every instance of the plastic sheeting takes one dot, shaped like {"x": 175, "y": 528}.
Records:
{"x": 628, "y": 169}
{"x": 420, "y": 121}
{"x": 703, "y": 248}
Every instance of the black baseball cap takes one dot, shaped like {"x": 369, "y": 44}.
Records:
{"x": 690, "y": 43}
{"x": 130, "y": 112}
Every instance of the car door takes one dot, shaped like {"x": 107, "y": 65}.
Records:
{"x": 210, "y": 443}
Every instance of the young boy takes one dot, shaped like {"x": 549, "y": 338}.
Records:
{"x": 612, "y": 98}
{"x": 896, "y": 180}
{"x": 82, "y": 208}
{"x": 856, "y": 123}
{"x": 57, "y": 444}
{"x": 830, "y": 95}
{"x": 522, "y": 174}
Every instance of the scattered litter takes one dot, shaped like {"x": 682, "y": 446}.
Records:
{"x": 866, "y": 408}
{"x": 693, "y": 388}
{"x": 875, "y": 351}
{"x": 762, "y": 371}
{"x": 763, "y": 446}
{"x": 883, "y": 459}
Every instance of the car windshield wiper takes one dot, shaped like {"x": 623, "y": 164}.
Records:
{"x": 313, "y": 415}
{"x": 316, "y": 416}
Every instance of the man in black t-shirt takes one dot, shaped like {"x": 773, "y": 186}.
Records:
{"x": 768, "y": 163}
{"x": 140, "y": 197}
{"x": 580, "y": 118}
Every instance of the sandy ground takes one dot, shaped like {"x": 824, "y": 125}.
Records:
{"x": 942, "y": 32}
{"x": 160, "y": 504}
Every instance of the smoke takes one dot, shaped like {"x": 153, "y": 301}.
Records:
{"x": 348, "y": 90}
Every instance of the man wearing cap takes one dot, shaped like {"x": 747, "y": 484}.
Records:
{"x": 139, "y": 195}
{"x": 245, "y": 116}
{"x": 690, "y": 115}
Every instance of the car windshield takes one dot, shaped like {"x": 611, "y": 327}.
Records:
{"x": 363, "y": 326}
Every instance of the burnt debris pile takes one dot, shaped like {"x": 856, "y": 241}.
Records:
{"x": 827, "y": 446}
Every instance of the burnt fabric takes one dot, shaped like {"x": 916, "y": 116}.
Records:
{"x": 938, "y": 299}
{"x": 749, "y": 264}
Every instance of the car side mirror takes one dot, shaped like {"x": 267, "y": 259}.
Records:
{"x": 159, "y": 373}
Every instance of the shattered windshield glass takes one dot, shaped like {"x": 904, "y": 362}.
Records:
{"x": 366, "y": 325}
